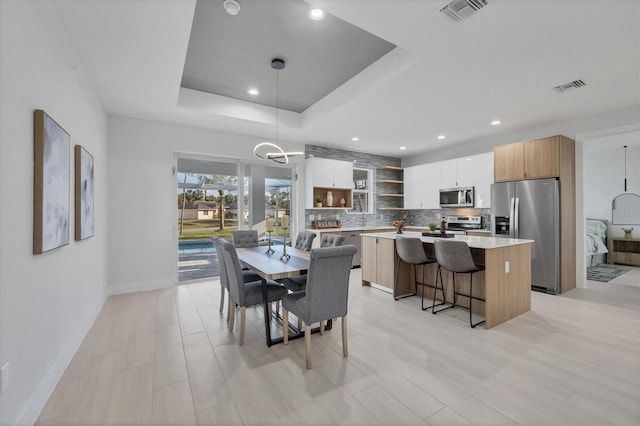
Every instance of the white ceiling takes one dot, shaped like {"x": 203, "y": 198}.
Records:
{"x": 443, "y": 78}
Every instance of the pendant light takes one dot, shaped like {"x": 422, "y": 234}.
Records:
{"x": 264, "y": 150}
{"x": 625, "y": 168}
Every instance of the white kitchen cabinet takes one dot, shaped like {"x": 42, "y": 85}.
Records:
{"x": 431, "y": 185}
{"x": 465, "y": 171}
{"x": 422, "y": 183}
{"x": 327, "y": 173}
{"x": 456, "y": 173}
{"x": 413, "y": 187}
{"x": 447, "y": 174}
{"x": 323, "y": 175}
{"x": 483, "y": 178}
{"x": 421, "y": 186}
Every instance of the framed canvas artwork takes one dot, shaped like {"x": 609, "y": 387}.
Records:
{"x": 83, "y": 193}
{"x": 51, "y": 184}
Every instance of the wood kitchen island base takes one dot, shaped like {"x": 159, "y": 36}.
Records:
{"x": 505, "y": 284}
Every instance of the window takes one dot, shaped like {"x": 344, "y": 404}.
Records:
{"x": 362, "y": 201}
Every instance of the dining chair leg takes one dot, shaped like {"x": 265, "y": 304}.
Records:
{"x": 230, "y": 303}
{"x": 270, "y": 311}
{"x": 307, "y": 344}
{"x": 285, "y": 326}
{"x": 232, "y": 313}
{"x": 345, "y": 346}
{"x": 299, "y": 324}
{"x": 321, "y": 328}
{"x": 243, "y": 318}
{"x": 221, "y": 297}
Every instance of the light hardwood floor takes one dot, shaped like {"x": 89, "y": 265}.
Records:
{"x": 166, "y": 357}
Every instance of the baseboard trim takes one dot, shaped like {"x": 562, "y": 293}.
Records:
{"x": 43, "y": 392}
{"x": 139, "y": 286}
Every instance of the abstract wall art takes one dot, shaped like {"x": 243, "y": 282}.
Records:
{"x": 51, "y": 184}
{"x": 83, "y": 193}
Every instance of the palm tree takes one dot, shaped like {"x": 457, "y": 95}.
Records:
{"x": 221, "y": 183}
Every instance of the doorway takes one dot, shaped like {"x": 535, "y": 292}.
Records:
{"x": 209, "y": 205}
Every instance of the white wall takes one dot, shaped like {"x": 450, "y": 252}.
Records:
{"x": 48, "y": 301}
{"x": 604, "y": 177}
{"x": 142, "y": 247}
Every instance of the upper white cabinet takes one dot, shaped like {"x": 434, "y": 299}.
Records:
{"x": 465, "y": 171}
{"x": 456, "y": 173}
{"x": 483, "y": 178}
{"x": 413, "y": 187}
{"x": 421, "y": 186}
{"x": 323, "y": 175}
{"x": 422, "y": 183}
{"x": 447, "y": 174}
{"x": 327, "y": 173}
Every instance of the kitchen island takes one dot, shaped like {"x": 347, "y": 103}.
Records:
{"x": 505, "y": 283}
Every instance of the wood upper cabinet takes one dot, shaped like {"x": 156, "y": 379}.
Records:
{"x": 508, "y": 162}
{"x": 536, "y": 159}
{"x": 542, "y": 158}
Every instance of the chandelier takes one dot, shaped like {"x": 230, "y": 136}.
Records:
{"x": 268, "y": 150}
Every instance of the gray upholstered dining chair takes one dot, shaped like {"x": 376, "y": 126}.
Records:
{"x": 455, "y": 256}
{"x": 331, "y": 240}
{"x": 304, "y": 240}
{"x": 247, "y": 276}
{"x": 298, "y": 283}
{"x": 245, "y": 238}
{"x": 243, "y": 293}
{"x": 326, "y": 294}
{"x": 411, "y": 251}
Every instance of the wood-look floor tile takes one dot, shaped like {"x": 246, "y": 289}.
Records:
{"x": 208, "y": 384}
{"x": 223, "y": 414}
{"x": 188, "y": 318}
{"x": 172, "y": 405}
{"x": 570, "y": 360}
{"x": 168, "y": 356}
{"x": 139, "y": 349}
{"x": 131, "y": 399}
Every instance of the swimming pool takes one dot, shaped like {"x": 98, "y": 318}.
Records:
{"x": 192, "y": 247}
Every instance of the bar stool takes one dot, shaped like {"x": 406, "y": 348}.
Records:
{"x": 455, "y": 256}
{"x": 411, "y": 252}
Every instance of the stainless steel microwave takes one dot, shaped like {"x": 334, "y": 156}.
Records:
{"x": 457, "y": 197}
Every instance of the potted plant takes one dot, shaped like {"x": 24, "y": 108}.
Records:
{"x": 628, "y": 232}
{"x": 318, "y": 201}
{"x": 432, "y": 226}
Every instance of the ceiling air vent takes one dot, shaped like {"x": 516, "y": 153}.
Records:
{"x": 567, "y": 86}
{"x": 459, "y": 10}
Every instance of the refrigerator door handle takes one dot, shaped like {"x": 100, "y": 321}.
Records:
{"x": 512, "y": 204}
{"x": 517, "y": 218}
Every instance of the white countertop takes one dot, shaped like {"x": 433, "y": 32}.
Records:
{"x": 349, "y": 229}
{"x": 486, "y": 243}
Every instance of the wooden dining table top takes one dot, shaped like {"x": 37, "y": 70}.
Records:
{"x": 270, "y": 266}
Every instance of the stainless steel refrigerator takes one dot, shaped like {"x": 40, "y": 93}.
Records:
{"x": 530, "y": 209}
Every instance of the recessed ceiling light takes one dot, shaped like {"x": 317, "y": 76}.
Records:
{"x": 495, "y": 122}
{"x": 232, "y": 7}
{"x": 253, "y": 92}
{"x": 402, "y": 148}
{"x": 316, "y": 14}
{"x": 441, "y": 136}
{"x": 355, "y": 139}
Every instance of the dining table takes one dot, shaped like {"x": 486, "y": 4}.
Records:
{"x": 276, "y": 265}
